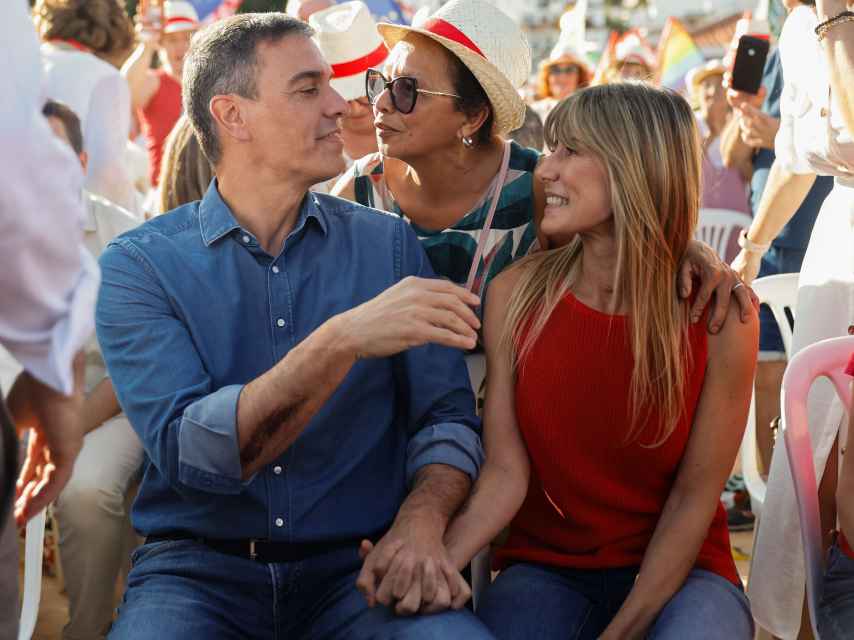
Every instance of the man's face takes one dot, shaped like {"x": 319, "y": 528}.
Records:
{"x": 175, "y": 46}
{"x": 59, "y": 130}
{"x": 293, "y": 123}
{"x": 359, "y": 120}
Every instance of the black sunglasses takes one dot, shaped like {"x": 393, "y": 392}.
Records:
{"x": 564, "y": 68}
{"x": 403, "y": 90}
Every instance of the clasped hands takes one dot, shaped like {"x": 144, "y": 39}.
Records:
{"x": 410, "y": 569}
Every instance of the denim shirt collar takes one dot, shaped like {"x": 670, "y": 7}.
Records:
{"x": 217, "y": 221}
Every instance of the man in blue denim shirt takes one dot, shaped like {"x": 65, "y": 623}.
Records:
{"x": 294, "y": 372}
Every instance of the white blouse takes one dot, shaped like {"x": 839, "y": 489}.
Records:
{"x": 812, "y": 136}
{"x": 99, "y": 95}
{"x": 48, "y": 282}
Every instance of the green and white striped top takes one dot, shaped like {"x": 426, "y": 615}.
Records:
{"x": 451, "y": 251}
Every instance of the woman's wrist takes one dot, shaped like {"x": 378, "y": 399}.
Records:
{"x": 752, "y": 246}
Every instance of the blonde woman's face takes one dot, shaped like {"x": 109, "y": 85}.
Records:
{"x": 578, "y": 194}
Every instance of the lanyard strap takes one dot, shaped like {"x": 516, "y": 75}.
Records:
{"x": 487, "y": 226}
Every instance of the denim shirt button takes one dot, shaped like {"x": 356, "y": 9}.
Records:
{"x": 280, "y": 322}
{"x": 275, "y": 269}
{"x": 246, "y": 239}
{"x": 280, "y": 522}
{"x": 277, "y": 470}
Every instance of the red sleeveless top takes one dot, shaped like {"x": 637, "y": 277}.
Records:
{"x": 594, "y": 500}
{"x": 157, "y": 119}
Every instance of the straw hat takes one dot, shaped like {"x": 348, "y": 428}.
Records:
{"x": 347, "y": 35}
{"x": 179, "y": 16}
{"x": 695, "y": 76}
{"x": 489, "y": 43}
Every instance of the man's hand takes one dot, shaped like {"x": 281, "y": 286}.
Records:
{"x": 716, "y": 278}
{"x": 746, "y": 265}
{"x": 758, "y": 129}
{"x": 55, "y": 438}
{"x": 413, "y": 312}
{"x": 412, "y": 568}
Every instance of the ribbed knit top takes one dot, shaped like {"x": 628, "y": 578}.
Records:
{"x": 594, "y": 499}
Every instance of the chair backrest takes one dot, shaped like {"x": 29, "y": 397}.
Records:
{"x": 779, "y": 293}
{"x": 827, "y": 358}
{"x": 717, "y": 226}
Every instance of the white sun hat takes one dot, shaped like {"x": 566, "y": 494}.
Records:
{"x": 179, "y": 16}
{"x": 634, "y": 49}
{"x": 348, "y": 37}
{"x": 489, "y": 43}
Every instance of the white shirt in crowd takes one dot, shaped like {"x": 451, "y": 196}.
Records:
{"x": 99, "y": 95}
{"x": 104, "y": 221}
{"x": 49, "y": 281}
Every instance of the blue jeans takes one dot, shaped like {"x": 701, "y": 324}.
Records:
{"x": 776, "y": 261}
{"x": 183, "y": 589}
{"x": 535, "y": 602}
{"x": 836, "y": 609}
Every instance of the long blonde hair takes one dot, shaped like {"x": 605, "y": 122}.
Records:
{"x": 185, "y": 171}
{"x": 648, "y": 141}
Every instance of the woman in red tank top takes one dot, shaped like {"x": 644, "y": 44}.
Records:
{"x": 611, "y": 420}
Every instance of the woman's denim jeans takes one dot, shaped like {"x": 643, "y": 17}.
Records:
{"x": 534, "y": 602}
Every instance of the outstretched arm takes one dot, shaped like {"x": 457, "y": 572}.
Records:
{"x": 503, "y": 482}
{"x": 838, "y": 46}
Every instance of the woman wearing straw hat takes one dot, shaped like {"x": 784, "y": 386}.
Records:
{"x": 443, "y": 105}
{"x": 560, "y": 76}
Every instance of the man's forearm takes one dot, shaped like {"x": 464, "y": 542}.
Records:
{"x": 99, "y": 406}
{"x": 783, "y": 195}
{"x": 438, "y": 493}
{"x": 273, "y": 409}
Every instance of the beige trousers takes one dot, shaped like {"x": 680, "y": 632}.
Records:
{"x": 94, "y": 527}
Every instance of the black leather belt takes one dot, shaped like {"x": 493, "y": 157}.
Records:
{"x": 265, "y": 551}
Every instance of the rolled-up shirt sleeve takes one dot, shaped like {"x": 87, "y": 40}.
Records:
{"x": 443, "y": 423}
{"x": 48, "y": 282}
{"x": 188, "y": 428}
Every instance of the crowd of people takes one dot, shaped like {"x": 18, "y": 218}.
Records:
{"x": 374, "y": 297}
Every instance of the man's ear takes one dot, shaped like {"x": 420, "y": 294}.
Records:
{"x": 228, "y": 113}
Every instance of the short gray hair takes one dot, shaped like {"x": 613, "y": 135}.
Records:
{"x": 222, "y": 59}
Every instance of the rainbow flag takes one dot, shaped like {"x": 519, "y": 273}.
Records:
{"x": 677, "y": 55}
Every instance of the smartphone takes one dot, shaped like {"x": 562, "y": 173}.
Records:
{"x": 749, "y": 64}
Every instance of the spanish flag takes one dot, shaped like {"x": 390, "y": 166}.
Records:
{"x": 677, "y": 55}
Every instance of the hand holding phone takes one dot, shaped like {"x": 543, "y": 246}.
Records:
{"x": 149, "y": 18}
{"x": 749, "y": 65}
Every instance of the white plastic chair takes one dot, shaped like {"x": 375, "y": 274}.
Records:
{"x": 779, "y": 293}
{"x": 717, "y": 226}
{"x": 33, "y": 556}
{"x": 826, "y": 358}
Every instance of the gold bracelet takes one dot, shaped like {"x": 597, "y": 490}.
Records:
{"x": 822, "y": 29}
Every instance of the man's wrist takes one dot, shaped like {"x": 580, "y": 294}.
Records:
{"x": 339, "y": 336}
